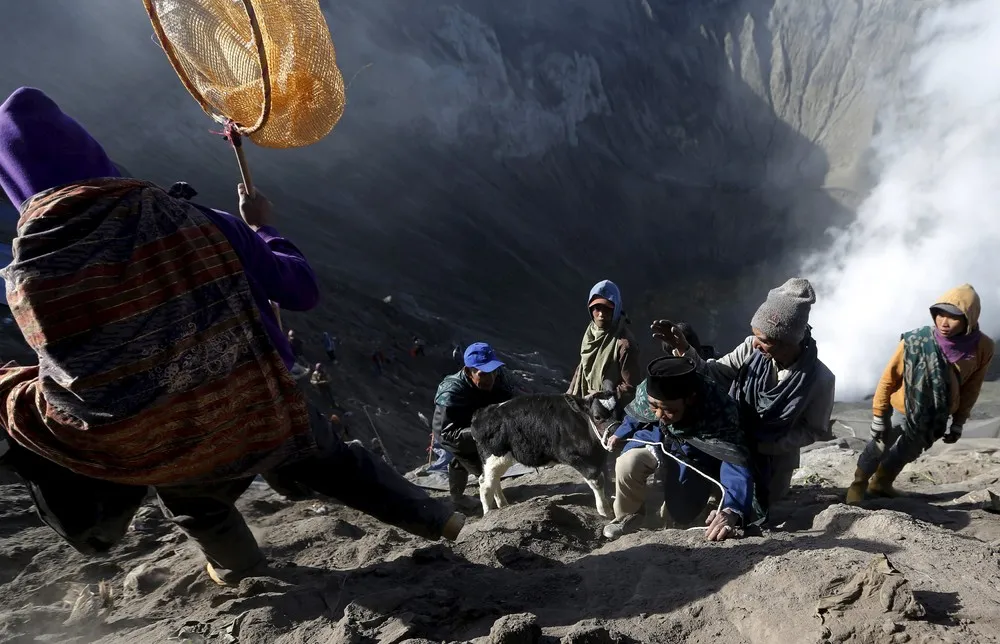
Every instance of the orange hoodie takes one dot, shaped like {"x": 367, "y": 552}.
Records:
{"x": 966, "y": 375}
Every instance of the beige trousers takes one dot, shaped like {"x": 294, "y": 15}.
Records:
{"x": 631, "y": 471}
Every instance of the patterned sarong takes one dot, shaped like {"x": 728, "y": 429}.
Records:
{"x": 154, "y": 365}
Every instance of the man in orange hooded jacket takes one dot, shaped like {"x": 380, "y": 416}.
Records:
{"x": 935, "y": 373}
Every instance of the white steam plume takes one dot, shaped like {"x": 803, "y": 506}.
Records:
{"x": 933, "y": 220}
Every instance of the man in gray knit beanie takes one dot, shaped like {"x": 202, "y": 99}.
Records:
{"x": 784, "y": 315}
{"x": 784, "y": 391}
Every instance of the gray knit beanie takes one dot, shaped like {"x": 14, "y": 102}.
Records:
{"x": 784, "y": 315}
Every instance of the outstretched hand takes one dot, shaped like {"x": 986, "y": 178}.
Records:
{"x": 721, "y": 525}
{"x": 672, "y": 338}
{"x": 255, "y": 209}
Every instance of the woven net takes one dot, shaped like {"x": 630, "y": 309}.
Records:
{"x": 267, "y": 65}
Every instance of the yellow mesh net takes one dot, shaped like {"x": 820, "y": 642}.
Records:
{"x": 267, "y": 65}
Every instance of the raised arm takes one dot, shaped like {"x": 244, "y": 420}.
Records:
{"x": 271, "y": 261}
{"x": 723, "y": 370}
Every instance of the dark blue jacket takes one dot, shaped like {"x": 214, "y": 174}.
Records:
{"x": 734, "y": 477}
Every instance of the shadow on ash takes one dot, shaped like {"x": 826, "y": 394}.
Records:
{"x": 921, "y": 568}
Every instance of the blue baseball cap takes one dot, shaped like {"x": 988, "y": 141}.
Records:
{"x": 482, "y": 357}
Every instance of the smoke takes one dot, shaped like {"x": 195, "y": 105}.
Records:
{"x": 933, "y": 220}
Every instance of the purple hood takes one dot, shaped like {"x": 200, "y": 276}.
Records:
{"x": 43, "y": 148}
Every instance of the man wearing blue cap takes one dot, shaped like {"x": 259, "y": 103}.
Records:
{"x": 480, "y": 383}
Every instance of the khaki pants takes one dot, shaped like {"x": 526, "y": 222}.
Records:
{"x": 631, "y": 471}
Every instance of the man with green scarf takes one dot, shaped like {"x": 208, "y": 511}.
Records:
{"x": 608, "y": 352}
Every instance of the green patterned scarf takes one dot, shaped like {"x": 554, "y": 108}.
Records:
{"x": 717, "y": 430}
{"x": 598, "y": 358}
{"x": 926, "y": 386}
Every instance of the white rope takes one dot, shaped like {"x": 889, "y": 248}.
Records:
{"x": 605, "y": 440}
{"x": 663, "y": 449}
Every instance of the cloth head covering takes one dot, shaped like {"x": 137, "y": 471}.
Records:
{"x": 784, "y": 315}
{"x": 599, "y": 348}
{"x": 960, "y": 301}
{"x": 43, "y": 148}
{"x": 671, "y": 378}
{"x": 608, "y": 291}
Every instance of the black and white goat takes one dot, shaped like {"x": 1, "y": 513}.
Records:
{"x": 542, "y": 429}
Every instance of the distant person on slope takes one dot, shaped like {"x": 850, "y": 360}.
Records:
{"x": 330, "y": 346}
{"x": 691, "y": 416}
{"x": 298, "y": 348}
{"x": 160, "y": 359}
{"x": 480, "y": 383}
{"x": 784, "y": 392}
{"x": 936, "y": 372}
{"x": 321, "y": 382}
{"x": 608, "y": 351}
{"x": 378, "y": 361}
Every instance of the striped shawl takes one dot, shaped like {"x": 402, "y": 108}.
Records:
{"x": 154, "y": 365}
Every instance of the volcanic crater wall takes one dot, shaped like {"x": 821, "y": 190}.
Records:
{"x": 498, "y": 158}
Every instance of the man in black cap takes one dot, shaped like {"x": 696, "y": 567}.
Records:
{"x": 688, "y": 414}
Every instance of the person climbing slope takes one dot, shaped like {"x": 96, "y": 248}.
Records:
{"x": 160, "y": 360}
{"x": 417, "y": 349}
{"x": 480, "y": 383}
{"x": 330, "y": 346}
{"x": 785, "y": 393}
{"x": 321, "y": 382}
{"x": 298, "y": 347}
{"x": 936, "y": 371}
{"x": 608, "y": 351}
{"x": 692, "y": 417}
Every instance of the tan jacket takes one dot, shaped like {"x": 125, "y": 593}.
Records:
{"x": 966, "y": 375}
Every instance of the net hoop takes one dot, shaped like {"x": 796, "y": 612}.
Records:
{"x": 265, "y": 77}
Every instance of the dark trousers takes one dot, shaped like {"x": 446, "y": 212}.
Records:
{"x": 685, "y": 492}
{"x": 466, "y": 459}
{"x": 772, "y": 475}
{"x": 896, "y": 449}
{"x": 93, "y": 515}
